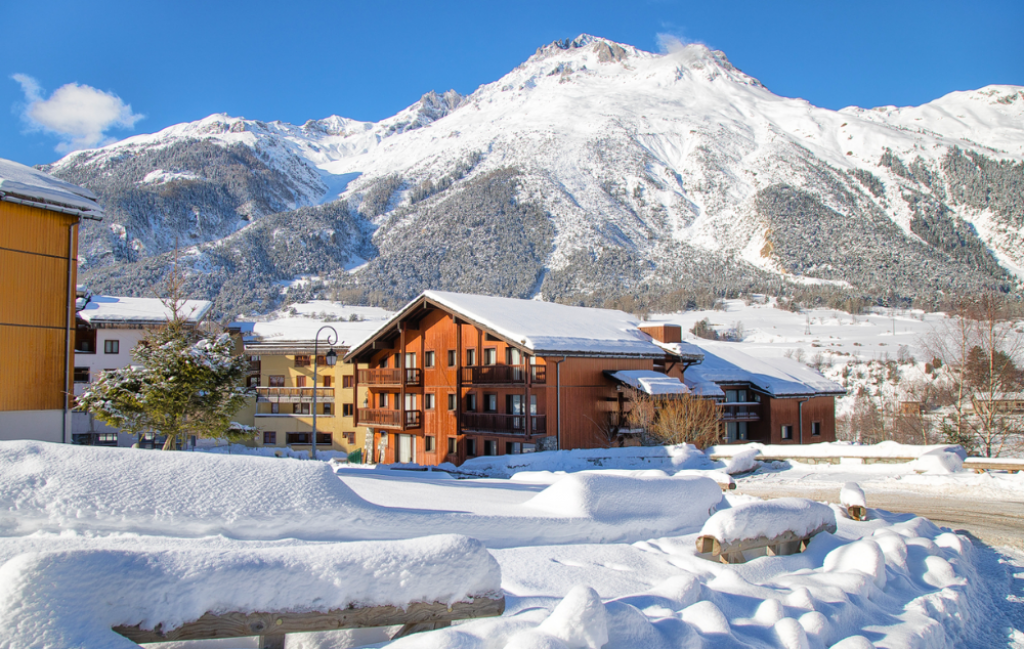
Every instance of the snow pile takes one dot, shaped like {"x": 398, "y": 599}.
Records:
{"x": 666, "y": 458}
{"x": 74, "y": 598}
{"x": 651, "y": 382}
{"x": 745, "y": 460}
{"x": 56, "y": 487}
{"x": 939, "y": 460}
{"x": 751, "y": 520}
{"x": 609, "y": 497}
{"x": 851, "y": 495}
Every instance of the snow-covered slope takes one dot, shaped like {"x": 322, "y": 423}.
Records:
{"x": 595, "y": 164}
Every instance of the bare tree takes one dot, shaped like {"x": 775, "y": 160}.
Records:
{"x": 679, "y": 419}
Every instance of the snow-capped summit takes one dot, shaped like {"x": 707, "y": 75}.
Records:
{"x": 634, "y": 171}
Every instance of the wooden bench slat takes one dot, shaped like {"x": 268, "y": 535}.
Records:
{"x": 786, "y": 543}
{"x": 238, "y": 625}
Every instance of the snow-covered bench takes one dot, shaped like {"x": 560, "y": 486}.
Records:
{"x": 272, "y": 627}
{"x": 116, "y": 598}
{"x": 773, "y": 528}
{"x": 982, "y": 464}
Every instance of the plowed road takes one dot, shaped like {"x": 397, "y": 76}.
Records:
{"x": 996, "y": 522}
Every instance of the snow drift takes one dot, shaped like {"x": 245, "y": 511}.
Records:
{"x": 73, "y": 599}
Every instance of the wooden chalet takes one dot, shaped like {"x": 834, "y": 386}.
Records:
{"x": 780, "y": 401}
{"x": 39, "y": 218}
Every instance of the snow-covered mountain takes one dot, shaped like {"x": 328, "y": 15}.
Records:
{"x": 591, "y": 171}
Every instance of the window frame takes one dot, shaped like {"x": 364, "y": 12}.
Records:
{"x": 453, "y": 358}
{"x": 348, "y": 409}
{"x": 453, "y": 402}
{"x": 428, "y": 358}
{"x": 269, "y": 438}
{"x": 428, "y": 401}
{"x": 429, "y": 444}
{"x": 112, "y": 346}
{"x": 490, "y": 356}
{"x": 787, "y": 431}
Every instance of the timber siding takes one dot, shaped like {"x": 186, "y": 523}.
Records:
{"x": 36, "y": 303}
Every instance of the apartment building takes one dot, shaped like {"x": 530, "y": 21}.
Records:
{"x": 39, "y": 218}
{"x": 107, "y": 328}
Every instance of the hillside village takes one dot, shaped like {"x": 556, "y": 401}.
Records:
{"x": 525, "y": 456}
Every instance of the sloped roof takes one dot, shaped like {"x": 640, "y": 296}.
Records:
{"x": 110, "y": 310}
{"x": 725, "y": 363}
{"x": 22, "y": 184}
{"x": 653, "y": 383}
{"x": 543, "y": 328}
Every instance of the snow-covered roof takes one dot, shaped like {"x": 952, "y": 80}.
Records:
{"x": 21, "y": 184}
{"x": 725, "y": 363}
{"x": 109, "y": 310}
{"x": 651, "y": 382}
{"x": 544, "y": 327}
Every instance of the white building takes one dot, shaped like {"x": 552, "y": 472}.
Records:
{"x": 107, "y": 329}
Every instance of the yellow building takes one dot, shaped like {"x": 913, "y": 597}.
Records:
{"x": 286, "y": 391}
{"x": 39, "y": 218}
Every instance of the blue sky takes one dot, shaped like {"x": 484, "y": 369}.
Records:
{"x": 138, "y": 67}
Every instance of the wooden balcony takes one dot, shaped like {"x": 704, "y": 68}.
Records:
{"x": 504, "y": 374}
{"x": 390, "y": 377}
{"x": 741, "y": 411}
{"x": 488, "y": 422}
{"x": 388, "y": 418}
{"x": 294, "y": 395}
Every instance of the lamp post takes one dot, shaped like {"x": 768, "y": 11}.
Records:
{"x": 331, "y": 359}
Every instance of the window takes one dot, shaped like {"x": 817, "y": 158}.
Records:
{"x": 736, "y": 396}
{"x": 276, "y": 381}
{"x": 787, "y": 432}
{"x": 300, "y": 408}
{"x": 470, "y": 446}
{"x": 324, "y": 438}
{"x": 410, "y": 359}
{"x": 275, "y": 408}
{"x": 298, "y": 438}
{"x": 490, "y": 356}
{"x": 471, "y": 402}
{"x": 514, "y": 404}
{"x": 382, "y": 400}
{"x": 428, "y": 444}
{"x": 328, "y": 380}
{"x": 490, "y": 403}
{"x": 269, "y": 438}
{"x": 815, "y": 429}
{"x": 736, "y": 431}
{"x": 453, "y": 357}
{"x": 350, "y": 437}
{"x": 348, "y": 381}
{"x": 397, "y": 361}
{"x": 428, "y": 401}
{"x": 81, "y": 375}
{"x": 348, "y": 409}
{"x": 302, "y": 361}
{"x": 428, "y": 359}
{"x": 300, "y": 381}
{"x": 513, "y": 448}
{"x": 321, "y": 360}
{"x": 111, "y": 347}
{"x": 453, "y": 401}
{"x": 328, "y": 409}
{"x": 106, "y": 438}
{"x": 470, "y": 357}
{"x": 513, "y": 356}
{"x": 490, "y": 447}
{"x": 453, "y": 445}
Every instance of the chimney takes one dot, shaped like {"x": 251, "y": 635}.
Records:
{"x": 668, "y": 333}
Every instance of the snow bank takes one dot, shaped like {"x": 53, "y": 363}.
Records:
{"x": 610, "y": 498}
{"x": 73, "y": 599}
{"x": 771, "y": 518}
{"x": 745, "y": 460}
{"x": 666, "y": 458}
{"x": 55, "y": 487}
{"x": 851, "y": 495}
{"x": 836, "y": 449}
{"x": 939, "y": 460}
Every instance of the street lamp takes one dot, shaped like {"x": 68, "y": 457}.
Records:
{"x": 331, "y": 359}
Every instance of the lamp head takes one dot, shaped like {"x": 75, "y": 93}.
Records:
{"x": 332, "y": 358}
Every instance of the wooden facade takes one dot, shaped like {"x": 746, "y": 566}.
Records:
{"x": 38, "y": 247}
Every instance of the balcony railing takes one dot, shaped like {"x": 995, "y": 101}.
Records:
{"x": 503, "y": 374}
{"x": 741, "y": 411}
{"x": 294, "y": 395}
{"x": 388, "y": 418}
{"x": 388, "y": 376}
{"x": 487, "y": 422}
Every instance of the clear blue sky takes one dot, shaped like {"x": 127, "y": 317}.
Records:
{"x": 180, "y": 60}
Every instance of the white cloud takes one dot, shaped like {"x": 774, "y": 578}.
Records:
{"x": 670, "y": 43}
{"x": 80, "y": 115}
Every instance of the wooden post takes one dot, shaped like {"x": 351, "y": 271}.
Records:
{"x": 401, "y": 366}
{"x": 458, "y": 384}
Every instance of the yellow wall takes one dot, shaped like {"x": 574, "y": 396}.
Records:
{"x": 35, "y": 300}
{"x": 285, "y": 422}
